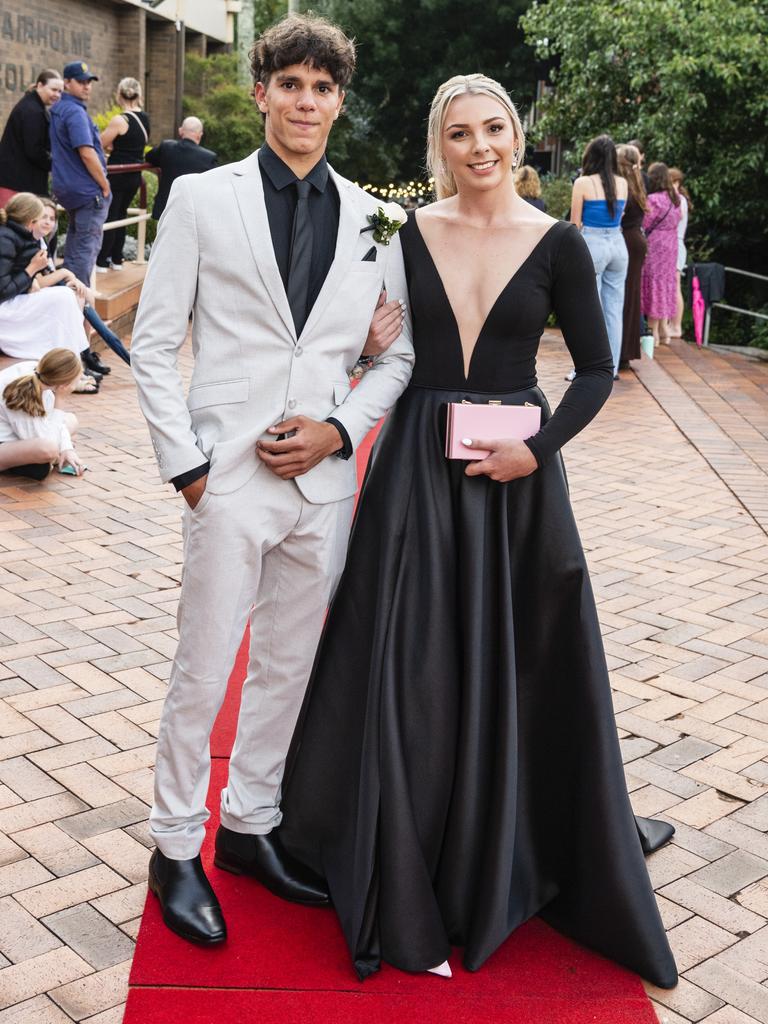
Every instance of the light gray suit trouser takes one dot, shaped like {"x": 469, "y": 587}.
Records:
{"x": 266, "y": 550}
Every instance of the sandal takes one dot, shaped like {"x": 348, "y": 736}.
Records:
{"x": 86, "y": 386}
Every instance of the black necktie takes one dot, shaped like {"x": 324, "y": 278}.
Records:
{"x": 301, "y": 258}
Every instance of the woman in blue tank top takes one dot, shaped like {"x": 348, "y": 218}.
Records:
{"x": 597, "y": 205}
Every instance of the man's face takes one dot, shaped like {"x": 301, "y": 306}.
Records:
{"x": 80, "y": 90}
{"x": 301, "y": 103}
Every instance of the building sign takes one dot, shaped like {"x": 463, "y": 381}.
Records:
{"x": 51, "y": 38}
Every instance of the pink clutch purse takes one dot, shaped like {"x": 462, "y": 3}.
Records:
{"x": 491, "y": 421}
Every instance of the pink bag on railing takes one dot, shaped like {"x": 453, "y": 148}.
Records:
{"x": 699, "y": 310}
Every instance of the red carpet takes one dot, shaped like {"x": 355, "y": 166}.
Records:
{"x": 285, "y": 964}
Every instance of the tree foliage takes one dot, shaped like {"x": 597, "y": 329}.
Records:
{"x": 406, "y": 48}
{"x": 212, "y": 92}
{"x": 688, "y": 77}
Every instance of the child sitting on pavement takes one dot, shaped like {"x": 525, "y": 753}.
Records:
{"x": 34, "y": 430}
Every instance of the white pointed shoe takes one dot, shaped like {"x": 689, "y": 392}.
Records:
{"x": 443, "y": 969}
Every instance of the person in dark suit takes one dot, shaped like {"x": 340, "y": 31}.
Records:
{"x": 25, "y": 148}
{"x": 174, "y": 158}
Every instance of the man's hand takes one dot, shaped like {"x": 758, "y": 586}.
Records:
{"x": 385, "y": 327}
{"x": 93, "y": 165}
{"x": 508, "y": 460}
{"x": 312, "y": 442}
{"x": 193, "y": 492}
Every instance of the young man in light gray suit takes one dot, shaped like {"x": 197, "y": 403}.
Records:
{"x": 275, "y": 258}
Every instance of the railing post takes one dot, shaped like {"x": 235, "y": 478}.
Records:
{"x": 141, "y": 239}
{"x": 707, "y": 317}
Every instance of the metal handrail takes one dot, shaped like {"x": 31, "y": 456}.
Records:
{"x": 733, "y": 309}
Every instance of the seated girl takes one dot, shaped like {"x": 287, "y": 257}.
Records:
{"x": 34, "y": 430}
{"x": 33, "y": 320}
{"x": 44, "y": 230}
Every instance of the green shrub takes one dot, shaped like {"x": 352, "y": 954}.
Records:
{"x": 556, "y": 193}
{"x": 759, "y": 335}
{"x": 233, "y": 124}
{"x": 102, "y": 120}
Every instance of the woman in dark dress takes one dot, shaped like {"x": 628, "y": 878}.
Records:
{"x": 457, "y": 767}
{"x": 632, "y": 229}
{"x": 127, "y": 135}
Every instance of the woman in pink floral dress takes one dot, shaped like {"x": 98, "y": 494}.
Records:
{"x": 659, "y": 286}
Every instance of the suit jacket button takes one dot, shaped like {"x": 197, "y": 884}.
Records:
{"x": 291, "y": 403}
{"x": 298, "y": 350}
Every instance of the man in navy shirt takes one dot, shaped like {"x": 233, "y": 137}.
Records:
{"x": 79, "y": 173}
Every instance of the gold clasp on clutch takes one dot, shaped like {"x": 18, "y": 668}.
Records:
{"x": 466, "y": 401}
{"x": 494, "y": 401}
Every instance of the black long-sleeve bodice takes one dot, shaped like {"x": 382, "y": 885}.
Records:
{"x": 558, "y": 276}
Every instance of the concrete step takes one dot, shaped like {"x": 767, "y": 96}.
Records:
{"x": 117, "y": 296}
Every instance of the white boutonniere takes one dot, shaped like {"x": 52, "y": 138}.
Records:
{"x": 386, "y": 222}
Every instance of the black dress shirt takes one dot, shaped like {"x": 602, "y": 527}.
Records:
{"x": 280, "y": 198}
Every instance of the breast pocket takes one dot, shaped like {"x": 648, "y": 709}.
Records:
{"x": 366, "y": 267}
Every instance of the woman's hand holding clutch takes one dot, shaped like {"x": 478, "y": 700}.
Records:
{"x": 509, "y": 459}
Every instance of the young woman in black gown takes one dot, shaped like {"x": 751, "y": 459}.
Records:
{"x": 457, "y": 768}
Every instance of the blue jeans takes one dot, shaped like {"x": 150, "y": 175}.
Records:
{"x": 84, "y": 233}
{"x": 610, "y": 257}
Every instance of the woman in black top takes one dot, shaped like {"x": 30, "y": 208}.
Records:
{"x": 127, "y": 135}
{"x": 457, "y": 769}
{"x": 25, "y": 148}
{"x": 632, "y": 228}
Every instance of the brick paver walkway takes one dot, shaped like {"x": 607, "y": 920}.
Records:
{"x": 669, "y": 488}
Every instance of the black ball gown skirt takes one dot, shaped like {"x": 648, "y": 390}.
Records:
{"x": 456, "y": 769}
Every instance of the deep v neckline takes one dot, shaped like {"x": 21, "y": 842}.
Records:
{"x": 466, "y": 368}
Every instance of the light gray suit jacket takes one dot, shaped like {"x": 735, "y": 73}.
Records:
{"x": 214, "y": 257}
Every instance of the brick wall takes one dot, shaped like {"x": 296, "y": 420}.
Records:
{"x": 161, "y": 101}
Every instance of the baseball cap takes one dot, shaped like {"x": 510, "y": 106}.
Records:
{"x": 78, "y": 70}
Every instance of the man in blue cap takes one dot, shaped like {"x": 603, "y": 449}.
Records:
{"x": 79, "y": 172}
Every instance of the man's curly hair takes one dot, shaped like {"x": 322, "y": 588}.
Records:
{"x": 303, "y": 39}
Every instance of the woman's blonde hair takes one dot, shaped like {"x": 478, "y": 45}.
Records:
{"x": 628, "y": 160}
{"x": 528, "y": 182}
{"x": 461, "y": 85}
{"x": 129, "y": 89}
{"x": 21, "y": 208}
{"x": 59, "y": 366}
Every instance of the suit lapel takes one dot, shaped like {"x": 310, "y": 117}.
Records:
{"x": 249, "y": 192}
{"x": 351, "y": 223}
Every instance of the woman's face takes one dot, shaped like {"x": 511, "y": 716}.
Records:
{"x": 44, "y": 224}
{"x": 478, "y": 142}
{"x": 50, "y": 93}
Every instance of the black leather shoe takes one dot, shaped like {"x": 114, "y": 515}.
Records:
{"x": 91, "y": 361}
{"x": 653, "y": 834}
{"x": 188, "y": 902}
{"x": 266, "y": 859}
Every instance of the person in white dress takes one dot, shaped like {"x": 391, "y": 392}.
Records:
{"x": 32, "y": 320}
{"x": 34, "y": 430}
